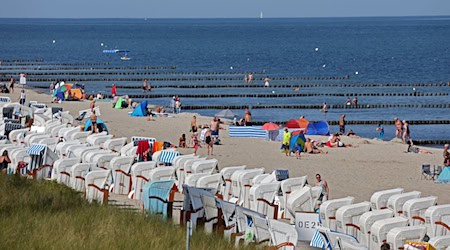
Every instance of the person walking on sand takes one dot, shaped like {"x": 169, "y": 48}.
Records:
{"x": 324, "y": 195}
{"x": 398, "y": 128}
{"x": 209, "y": 142}
{"x": 342, "y": 124}
{"x": 406, "y": 133}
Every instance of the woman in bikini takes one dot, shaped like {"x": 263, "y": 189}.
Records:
{"x": 209, "y": 141}
{"x": 4, "y": 161}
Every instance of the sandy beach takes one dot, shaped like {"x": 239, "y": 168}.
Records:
{"x": 369, "y": 166}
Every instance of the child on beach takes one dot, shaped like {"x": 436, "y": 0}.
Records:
{"x": 195, "y": 142}
{"x": 380, "y": 130}
{"x": 182, "y": 141}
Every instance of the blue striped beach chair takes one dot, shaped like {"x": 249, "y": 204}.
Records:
{"x": 5, "y": 99}
{"x": 167, "y": 157}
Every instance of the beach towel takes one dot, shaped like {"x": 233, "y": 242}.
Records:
{"x": 143, "y": 150}
{"x": 157, "y": 146}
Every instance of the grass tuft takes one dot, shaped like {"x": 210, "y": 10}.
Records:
{"x": 46, "y": 215}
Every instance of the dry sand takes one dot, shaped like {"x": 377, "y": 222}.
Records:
{"x": 370, "y": 166}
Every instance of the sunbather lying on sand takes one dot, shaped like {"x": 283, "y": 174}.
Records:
{"x": 311, "y": 149}
{"x": 335, "y": 141}
{"x": 416, "y": 150}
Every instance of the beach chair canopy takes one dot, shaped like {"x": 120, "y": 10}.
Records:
{"x": 318, "y": 128}
{"x": 100, "y": 125}
{"x": 140, "y": 110}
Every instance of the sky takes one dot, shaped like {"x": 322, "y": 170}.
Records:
{"x": 220, "y": 9}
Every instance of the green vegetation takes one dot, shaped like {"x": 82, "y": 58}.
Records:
{"x": 46, "y": 215}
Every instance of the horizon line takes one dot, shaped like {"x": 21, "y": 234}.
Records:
{"x": 138, "y": 18}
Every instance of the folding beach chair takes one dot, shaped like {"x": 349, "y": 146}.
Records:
{"x": 426, "y": 172}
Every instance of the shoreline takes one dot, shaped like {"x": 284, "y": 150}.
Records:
{"x": 370, "y": 166}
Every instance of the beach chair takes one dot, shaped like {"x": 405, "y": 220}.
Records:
{"x": 79, "y": 150}
{"x": 427, "y": 174}
{"x": 440, "y": 242}
{"x": 191, "y": 180}
{"x": 17, "y": 155}
{"x": 289, "y": 185}
{"x": 347, "y": 218}
{"x": 178, "y": 163}
{"x": 228, "y": 211}
{"x": 188, "y": 165}
{"x": 262, "y": 199}
{"x": 332, "y": 240}
{"x": 103, "y": 160}
{"x": 78, "y": 173}
{"x": 90, "y": 155}
{"x": 158, "y": 197}
{"x": 302, "y": 200}
{"x": 245, "y": 223}
{"x": 283, "y": 236}
{"x": 242, "y": 182}
{"x": 396, "y": 201}
{"x": 166, "y": 157}
{"x": 115, "y": 145}
{"x": 96, "y": 186}
{"x": 211, "y": 212}
{"x": 161, "y": 173}
{"x": 140, "y": 172}
{"x": 60, "y": 172}
{"x": 380, "y": 229}
{"x": 437, "y": 218}
{"x": 379, "y": 199}
{"x": 328, "y": 211}
{"x": 396, "y": 237}
{"x": 206, "y": 166}
{"x": 366, "y": 221}
{"x": 55, "y": 130}
{"x": 80, "y": 136}
{"x": 98, "y": 140}
{"x": 210, "y": 181}
{"x": 225, "y": 188}
{"x": 414, "y": 209}
{"x": 61, "y": 147}
{"x": 261, "y": 231}
{"x": 193, "y": 208}
{"x": 120, "y": 167}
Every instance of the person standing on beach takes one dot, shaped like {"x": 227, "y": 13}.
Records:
{"x": 113, "y": 90}
{"x": 324, "y": 195}
{"x": 446, "y": 156}
{"x": 406, "y": 133}
{"x": 398, "y": 128}
{"x": 93, "y": 118}
{"x": 286, "y": 142}
{"x": 194, "y": 124}
{"x": 92, "y": 106}
{"x": 380, "y": 130}
{"x": 209, "y": 142}
{"x": 11, "y": 85}
{"x": 342, "y": 124}
{"x": 52, "y": 87}
{"x": 22, "y": 97}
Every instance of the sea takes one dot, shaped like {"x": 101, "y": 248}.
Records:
{"x": 332, "y": 58}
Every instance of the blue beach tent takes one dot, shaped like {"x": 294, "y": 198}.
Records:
{"x": 318, "y": 128}
{"x": 140, "y": 110}
{"x": 100, "y": 125}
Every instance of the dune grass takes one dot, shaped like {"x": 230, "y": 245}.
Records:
{"x": 46, "y": 215}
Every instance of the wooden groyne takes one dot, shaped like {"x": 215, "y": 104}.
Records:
{"x": 96, "y": 69}
{"x": 330, "y": 106}
{"x": 53, "y": 64}
{"x": 315, "y": 85}
{"x": 174, "y": 79}
{"x": 373, "y": 122}
{"x": 20, "y": 60}
{"x": 283, "y": 95}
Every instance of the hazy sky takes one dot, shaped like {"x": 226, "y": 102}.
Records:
{"x": 221, "y": 9}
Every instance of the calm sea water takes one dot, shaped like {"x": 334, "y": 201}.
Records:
{"x": 381, "y": 50}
